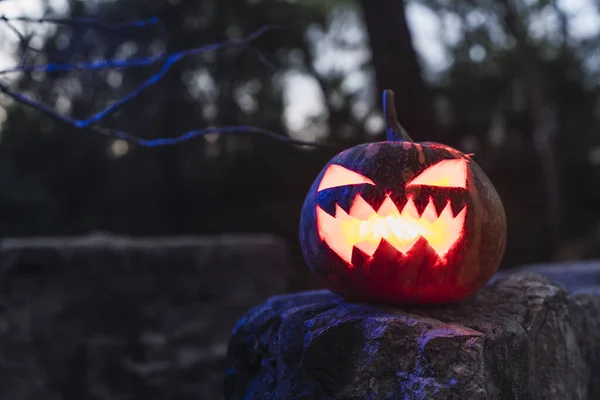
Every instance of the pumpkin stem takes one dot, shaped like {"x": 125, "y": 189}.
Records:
{"x": 394, "y": 131}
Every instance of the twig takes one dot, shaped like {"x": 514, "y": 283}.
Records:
{"x": 88, "y": 22}
{"x": 142, "y": 61}
{"x": 216, "y": 130}
{"x": 92, "y": 66}
{"x": 171, "y": 60}
{"x": 50, "y": 112}
{"x": 168, "y": 59}
{"x": 13, "y": 28}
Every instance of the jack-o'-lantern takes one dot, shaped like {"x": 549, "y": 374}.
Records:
{"x": 403, "y": 222}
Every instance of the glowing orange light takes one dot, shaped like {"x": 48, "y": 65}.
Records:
{"x": 336, "y": 175}
{"x": 364, "y": 228}
{"x": 446, "y": 173}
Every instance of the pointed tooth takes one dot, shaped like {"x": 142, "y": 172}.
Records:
{"x": 441, "y": 247}
{"x": 360, "y": 261}
{"x": 457, "y": 226}
{"x": 326, "y": 203}
{"x": 368, "y": 247}
{"x": 458, "y": 205}
{"x": 331, "y": 232}
{"x": 368, "y": 236}
{"x": 440, "y": 202}
{"x": 388, "y": 207}
{"x": 430, "y": 214}
{"x": 404, "y": 246}
{"x": 376, "y": 197}
{"x": 446, "y": 214}
{"x": 400, "y": 200}
{"x": 344, "y": 196}
{"x": 326, "y": 224}
{"x": 361, "y": 209}
{"x": 461, "y": 215}
{"x": 421, "y": 204}
{"x": 409, "y": 210}
{"x": 446, "y": 232}
{"x": 341, "y": 214}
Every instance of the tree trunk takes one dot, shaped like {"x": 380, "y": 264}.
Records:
{"x": 397, "y": 67}
{"x": 545, "y": 124}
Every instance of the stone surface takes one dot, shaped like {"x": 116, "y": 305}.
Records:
{"x": 520, "y": 338}
{"x": 113, "y": 318}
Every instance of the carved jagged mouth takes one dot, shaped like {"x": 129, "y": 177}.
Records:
{"x": 364, "y": 228}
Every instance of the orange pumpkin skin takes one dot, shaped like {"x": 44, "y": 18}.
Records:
{"x": 415, "y": 252}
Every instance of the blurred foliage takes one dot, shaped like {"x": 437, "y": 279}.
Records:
{"x": 56, "y": 180}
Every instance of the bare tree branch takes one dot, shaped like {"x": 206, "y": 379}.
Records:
{"x": 168, "y": 58}
{"x": 168, "y": 61}
{"x": 87, "y": 22}
{"x": 50, "y": 112}
{"x": 93, "y": 23}
{"x": 171, "y": 60}
{"x": 24, "y": 40}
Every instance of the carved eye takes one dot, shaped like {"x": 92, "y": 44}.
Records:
{"x": 446, "y": 173}
{"x": 336, "y": 175}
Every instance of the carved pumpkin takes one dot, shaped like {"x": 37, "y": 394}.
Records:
{"x": 399, "y": 221}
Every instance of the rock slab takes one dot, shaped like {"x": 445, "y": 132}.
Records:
{"x": 522, "y": 337}
{"x": 104, "y": 317}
